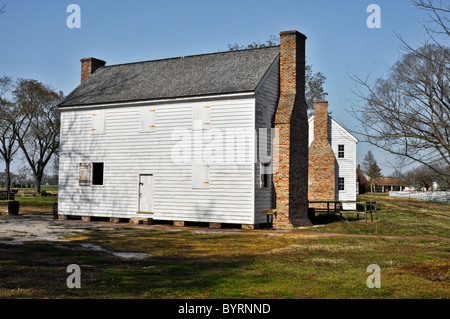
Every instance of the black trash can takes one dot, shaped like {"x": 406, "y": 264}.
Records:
{"x": 13, "y": 207}
{"x": 55, "y": 210}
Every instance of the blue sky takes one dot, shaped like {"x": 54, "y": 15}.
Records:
{"x": 36, "y": 42}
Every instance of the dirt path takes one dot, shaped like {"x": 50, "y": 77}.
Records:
{"x": 21, "y": 229}
{"x": 425, "y": 205}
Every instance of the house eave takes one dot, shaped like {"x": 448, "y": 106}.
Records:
{"x": 197, "y": 98}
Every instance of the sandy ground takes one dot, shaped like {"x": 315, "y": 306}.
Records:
{"x": 17, "y": 230}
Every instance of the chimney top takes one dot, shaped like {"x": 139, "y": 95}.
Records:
{"x": 88, "y": 66}
{"x": 293, "y": 32}
{"x": 321, "y": 120}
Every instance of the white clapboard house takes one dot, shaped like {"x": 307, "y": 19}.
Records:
{"x": 172, "y": 139}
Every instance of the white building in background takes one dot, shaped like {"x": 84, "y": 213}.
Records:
{"x": 343, "y": 144}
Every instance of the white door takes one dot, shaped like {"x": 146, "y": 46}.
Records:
{"x": 146, "y": 193}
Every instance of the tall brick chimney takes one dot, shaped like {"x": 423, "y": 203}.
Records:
{"x": 322, "y": 162}
{"x": 88, "y": 66}
{"x": 291, "y": 176}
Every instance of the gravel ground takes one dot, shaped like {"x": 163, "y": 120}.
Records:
{"x": 17, "y": 230}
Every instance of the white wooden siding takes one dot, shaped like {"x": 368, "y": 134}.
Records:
{"x": 127, "y": 152}
{"x": 347, "y": 165}
{"x": 267, "y": 96}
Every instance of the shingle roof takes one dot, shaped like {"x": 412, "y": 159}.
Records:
{"x": 387, "y": 181}
{"x": 216, "y": 73}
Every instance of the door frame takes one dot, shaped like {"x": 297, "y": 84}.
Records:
{"x": 139, "y": 191}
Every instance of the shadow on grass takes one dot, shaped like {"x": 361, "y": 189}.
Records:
{"x": 39, "y": 270}
{"x": 323, "y": 218}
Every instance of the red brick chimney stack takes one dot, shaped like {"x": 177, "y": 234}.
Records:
{"x": 88, "y": 66}
{"x": 291, "y": 177}
{"x": 321, "y": 120}
{"x": 322, "y": 162}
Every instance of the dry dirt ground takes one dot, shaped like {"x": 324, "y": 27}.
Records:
{"x": 16, "y": 230}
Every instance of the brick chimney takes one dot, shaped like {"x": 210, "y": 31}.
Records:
{"x": 88, "y": 66}
{"x": 291, "y": 176}
{"x": 322, "y": 162}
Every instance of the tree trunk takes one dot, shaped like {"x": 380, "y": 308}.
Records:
{"x": 37, "y": 183}
{"x": 8, "y": 175}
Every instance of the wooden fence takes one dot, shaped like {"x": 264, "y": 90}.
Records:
{"x": 5, "y": 195}
{"x": 336, "y": 207}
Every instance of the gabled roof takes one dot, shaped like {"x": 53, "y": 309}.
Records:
{"x": 340, "y": 126}
{"x": 216, "y": 73}
{"x": 388, "y": 181}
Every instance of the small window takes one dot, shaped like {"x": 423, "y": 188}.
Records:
{"x": 97, "y": 173}
{"x": 340, "y": 151}
{"x": 341, "y": 183}
{"x": 266, "y": 175}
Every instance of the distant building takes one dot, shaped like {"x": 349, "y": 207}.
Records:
{"x": 332, "y": 159}
{"x": 388, "y": 184}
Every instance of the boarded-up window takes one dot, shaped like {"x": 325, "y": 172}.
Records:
{"x": 147, "y": 119}
{"x": 98, "y": 122}
{"x": 200, "y": 175}
{"x": 202, "y": 117}
{"x": 85, "y": 174}
{"x": 91, "y": 174}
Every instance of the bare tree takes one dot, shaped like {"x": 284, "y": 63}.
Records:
{"x": 37, "y": 124}
{"x": 8, "y": 144}
{"x": 408, "y": 113}
{"x": 422, "y": 176}
{"x": 438, "y": 23}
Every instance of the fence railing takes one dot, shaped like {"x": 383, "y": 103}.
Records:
{"x": 5, "y": 195}
{"x": 443, "y": 197}
{"x": 335, "y": 207}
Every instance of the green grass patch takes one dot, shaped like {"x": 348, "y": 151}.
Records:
{"x": 411, "y": 247}
{"x": 396, "y": 217}
{"x": 33, "y": 205}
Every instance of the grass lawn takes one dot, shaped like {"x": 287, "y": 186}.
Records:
{"x": 409, "y": 243}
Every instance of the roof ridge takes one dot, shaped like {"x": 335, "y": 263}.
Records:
{"x": 190, "y": 56}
